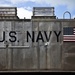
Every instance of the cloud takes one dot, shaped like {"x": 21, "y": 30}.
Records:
{"x": 27, "y": 11}
{"x": 28, "y": 8}
{"x": 20, "y": 1}
{"x": 5, "y": 5}
{"x": 22, "y": 12}
{"x": 69, "y": 3}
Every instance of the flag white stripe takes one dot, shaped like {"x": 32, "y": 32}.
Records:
{"x": 69, "y": 40}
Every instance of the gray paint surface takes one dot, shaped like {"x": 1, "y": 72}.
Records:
{"x": 37, "y": 56}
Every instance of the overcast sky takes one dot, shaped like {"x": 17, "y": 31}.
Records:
{"x": 25, "y": 7}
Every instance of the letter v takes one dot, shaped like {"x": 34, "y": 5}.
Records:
{"x": 47, "y": 38}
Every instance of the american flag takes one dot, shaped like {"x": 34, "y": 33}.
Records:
{"x": 69, "y": 34}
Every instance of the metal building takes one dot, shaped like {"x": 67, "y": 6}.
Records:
{"x": 38, "y": 56}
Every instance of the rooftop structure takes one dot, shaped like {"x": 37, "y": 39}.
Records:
{"x": 8, "y": 13}
{"x": 44, "y": 12}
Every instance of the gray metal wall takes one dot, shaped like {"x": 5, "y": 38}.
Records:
{"x": 48, "y": 57}
{"x": 18, "y": 56}
{"x": 68, "y": 53}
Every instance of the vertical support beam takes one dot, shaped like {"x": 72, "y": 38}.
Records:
{"x": 38, "y": 50}
{"x": 46, "y": 55}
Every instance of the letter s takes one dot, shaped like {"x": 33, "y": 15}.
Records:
{"x": 12, "y": 35}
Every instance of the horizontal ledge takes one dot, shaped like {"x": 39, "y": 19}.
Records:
{"x": 14, "y": 47}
